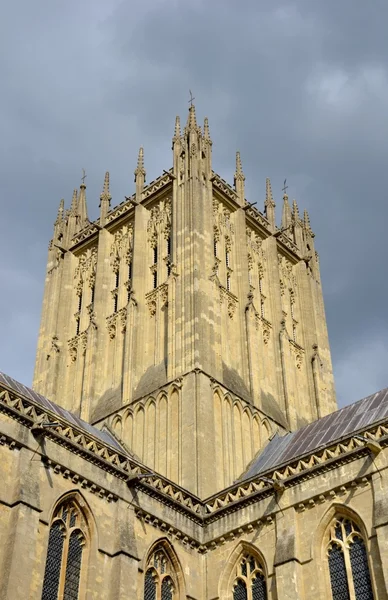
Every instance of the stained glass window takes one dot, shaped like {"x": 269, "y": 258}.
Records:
{"x": 149, "y": 586}
{"x": 250, "y": 581}
{"x": 64, "y": 554}
{"x": 348, "y": 562}
{"x": 160, "y": 580}
{"x": 53, "y": 562}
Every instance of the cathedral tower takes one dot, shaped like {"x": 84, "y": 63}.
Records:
{"x": 185, "y": 319}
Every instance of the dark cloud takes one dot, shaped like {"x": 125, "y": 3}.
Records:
{"x": 299, "y": 88}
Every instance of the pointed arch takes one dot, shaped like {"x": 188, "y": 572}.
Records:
{"x": 256, "y": 434}
{"x": 266, "y": 430}
{"x": 174, "y": 435}
{"x": 341, "y": 548}
{"x": 68, "y": 548}
{"x": 150, "y": 433}
{"x": 128, "y": 428}
{"x": 163, "y": 572}
{"x": 238, "y": 439}
{"x": 162, "y": 433}
{"x": 247, "y": 435}
{"x": 218, "y": 439}
{"x": 138, "y": 431}
{"x": 251, "y": 579}
{"x": 117, "y": 426}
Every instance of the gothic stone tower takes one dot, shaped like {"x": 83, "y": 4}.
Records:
{"x": 185, "y": 319}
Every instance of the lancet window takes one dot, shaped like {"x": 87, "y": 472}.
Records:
{"x": 289, "y": 297}
{"x": 250, "y": 582}
{"x": 159, "y": 232}
{"x": 160, "y": 580}
{"x": 348, "y": 562}
{"x": 85, "y": 277}
{"x": 121, "y": 262}
{"x": 65, "y": 554}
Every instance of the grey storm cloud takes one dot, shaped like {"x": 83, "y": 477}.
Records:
{"x": 300, "y": 88}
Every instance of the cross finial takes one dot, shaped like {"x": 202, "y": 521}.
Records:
{"x": 191, "y": 98}
{"x": 83, "y": 176}
{"x": 285, "y": 187}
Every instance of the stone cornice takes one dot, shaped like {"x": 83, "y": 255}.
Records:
{"x": 205, "y": 511}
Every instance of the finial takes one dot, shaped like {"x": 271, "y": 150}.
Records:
{"x": 82, "y": 209}
{"x": 191, "y": 119}
{"x": 284, "y": 189}
{"x": 306, "y": 221}
{"x": 105, "y": 194}
{"x": 239, "y": 175}
{"x": 83, "y": 178}
{"x": 269, "y": 201}
{"x": 140, "y": 163}
{"x": 191, "y": 99}
{"x": 286, "y": 213}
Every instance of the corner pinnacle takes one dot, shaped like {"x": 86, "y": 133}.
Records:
{"x": 206, "y": 132}
{"x": 105, "y": 194}
{"x": 269, "y": 201}
{"x": 74, "y": 204}
{"x": 140, "y": 170}
{"x": 306, "y": 221}
{"x": 239, "y": 175}
{"x": 295, "y": 210}
{"x": 61, "y": 210}
{"x": 177, "y": 131}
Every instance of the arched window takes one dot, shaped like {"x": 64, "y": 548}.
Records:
{"x": 160, "y": 580}
{"x": 249, "y": 583}
{"x": 64, "y": 553}
{"x": 348, "y": 562}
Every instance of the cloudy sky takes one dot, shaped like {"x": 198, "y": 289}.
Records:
{"x": 300, "y": 88}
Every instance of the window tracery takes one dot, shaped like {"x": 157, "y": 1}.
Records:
{"x": 348, "y": 562}
{"x": 160, "y": 579}
{"x": 85, "y": 279}
{"x": 159, "y": 238}
{"x": 249, "y": 583}
{"x": 121, "y": 263}
{"x": 65, "y": 550}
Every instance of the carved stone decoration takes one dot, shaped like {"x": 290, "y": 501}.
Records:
{"x": 159, "y": 222}
{"x": 164, "y": 295}
{"x": 298, "y": 352}
{"x": 73, "y": 348}
{"x": 152, "y": 307}
{"x": 86, "y": 269}
{"x": 122, "y": 316}
{"x": 157, "y": 298}
{"x": 54, "y": 344}
{"x": 121, "y": 246}
{"x": 231, "y": 308}
{"x": 92, "y": 316}
{"x": 111, "y": 325}
{"x": 83, "y": 341}
{"x": 266, "y": 334}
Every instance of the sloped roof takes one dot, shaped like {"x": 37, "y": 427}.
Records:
{"x": 19, "y": 388}
{"x": 343, "y": 423}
